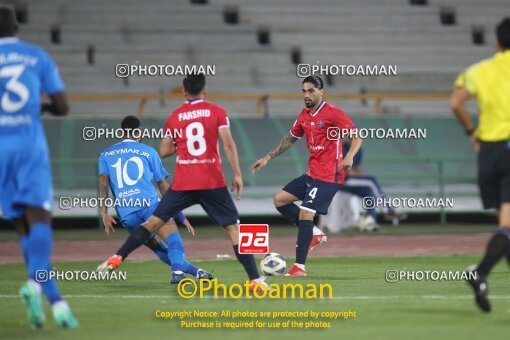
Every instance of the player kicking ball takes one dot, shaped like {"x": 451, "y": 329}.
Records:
{"x": 128, "y": 168}
{"x": 25, "y": 172}
{"x": 320, "y": 123}
{"x": 198, "y": 176}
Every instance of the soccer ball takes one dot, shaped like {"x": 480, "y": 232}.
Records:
{"x": 273, "y": 264}
{"x": 368, "y": 223}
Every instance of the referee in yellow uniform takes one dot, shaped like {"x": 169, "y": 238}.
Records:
{"x": 489, "y": 82}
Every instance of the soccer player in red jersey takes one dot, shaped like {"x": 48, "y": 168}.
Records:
{"x": 195, "y": 128}
{"x": 323, "y": 125}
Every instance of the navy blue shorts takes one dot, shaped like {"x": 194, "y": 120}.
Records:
{"x": 315, "y": 194}
{"x": 217, "y": 203}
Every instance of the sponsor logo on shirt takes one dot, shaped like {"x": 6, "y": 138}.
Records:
{"x": 316, "y": 147}
{"x": 130, "y": 192}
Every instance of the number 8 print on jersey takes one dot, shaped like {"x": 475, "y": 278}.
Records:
{"x": 198, "y": 165}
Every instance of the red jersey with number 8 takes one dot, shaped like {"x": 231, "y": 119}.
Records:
{"x": 194, "y": 127}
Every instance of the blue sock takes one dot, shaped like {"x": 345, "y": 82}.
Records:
{"x": 305, "y": 235}
{"x": 24, "y": 247}
{"x": 39, "y": 244}
{"x": 163, "y": 256}
{"x": 189, "y": 268}
{"x": 175, "y": 251}
{"x": 50, "y": 289}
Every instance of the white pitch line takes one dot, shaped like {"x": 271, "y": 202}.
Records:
{"x": 92, "y": 296}
{"x": 355, "y": 297}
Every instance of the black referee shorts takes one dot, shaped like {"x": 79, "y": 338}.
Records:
{"x": 494, "y": 173}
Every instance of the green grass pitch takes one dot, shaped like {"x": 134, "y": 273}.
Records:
{"x": 403, "y": 310}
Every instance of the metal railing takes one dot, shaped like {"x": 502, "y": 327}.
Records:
{"x": 267, "y": 178}
{"x": 262, "y": 100}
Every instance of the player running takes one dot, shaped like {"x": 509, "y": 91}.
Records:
{"x": 321, "y": 124}
{"x": 198, "y": 176}
{"x": 25, "y": 173}
{"x": 128, "y": 168}
{"x": 489, "y": 82}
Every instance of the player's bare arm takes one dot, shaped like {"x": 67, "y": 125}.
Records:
{"x": 231, "y": 152}
{"x": 108, "y": 220}
{"x": 188, "y": 226}
{"x": 285, "y": 144}
{"x": 356, "y": 171}
{"x": 163, "y": 186}
{"x": 58, "y": 105}
{"x": 353, "y": 150}
{"x": 167, "y": 148}
{"x": 458, "y": 101}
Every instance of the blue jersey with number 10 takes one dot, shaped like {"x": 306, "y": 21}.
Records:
{"x": 131, "y": 166}
{"x": 26, "y": 71}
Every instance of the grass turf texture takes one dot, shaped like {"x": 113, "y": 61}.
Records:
{"x": 207, "y": 232}
{"x": 403, "y": 310}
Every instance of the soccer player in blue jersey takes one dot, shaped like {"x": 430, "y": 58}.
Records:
{"x": 26, "y": 71}
{"x": 128, "y": 168}
{"x": 363, "y": 185}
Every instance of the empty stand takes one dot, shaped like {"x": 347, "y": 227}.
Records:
{"x": 388, "y": 32}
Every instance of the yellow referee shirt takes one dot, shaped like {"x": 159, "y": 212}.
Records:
{"x": 489, "y": 81}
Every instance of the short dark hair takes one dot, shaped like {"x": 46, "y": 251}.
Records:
{"x": 8, "y": 22}
{"x": 194, "y": 84}
{"x": 130, "y": 123}
{"x": 503, "y": 33}
{"x": 315, "y": 80}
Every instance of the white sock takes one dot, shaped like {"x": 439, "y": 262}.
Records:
{"x": 62, "y": 304}
{"x": 37, "y": 285}
{"x": 261, "y": 279}
{"x": 317, "y": 231}
{"x": 300, "y": 266}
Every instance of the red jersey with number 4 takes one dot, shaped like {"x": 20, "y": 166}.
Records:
{"x": 198, "y": 163}
{"x": 322, "y": 132}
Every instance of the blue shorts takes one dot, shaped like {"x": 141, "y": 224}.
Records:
{"x": 25, "y": 180}
{"x": 315, "y": 194}
{"x": 217, "y": 203}
{"x": 133, "y": 220}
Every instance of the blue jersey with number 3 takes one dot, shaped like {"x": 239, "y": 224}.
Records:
{"x": 26, "y": 72}
{"x": 131, "y": 166}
